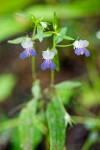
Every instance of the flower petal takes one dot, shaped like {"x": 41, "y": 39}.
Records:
{"x": 27, "y": 43}
{"x": 85, "y": 43}
{"x": 78, "y": 51}
{"x": 80, "y": 44}
{"x": 48, "y": 54}
{"x": 52, "y": 65}
{"x": 86, "y": 52}
{"x": 45, "y": 65}
{"x": 32, "y": 52}
{"x": 24, "y": 54}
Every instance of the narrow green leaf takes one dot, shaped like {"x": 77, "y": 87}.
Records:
{"x": 55, "y": 22}
{"x": 15, "y": 141}
{"x": 40, "y": 33}
{"x": 7, "y": 83}
{"x": 68, "y": 85}
{"x": 17, "y": 40}
{"x": 27, "y": 128}
{"x": 23, "y": 16}
{"x": 65, "y": 95}
{"x": 36, "y": 89}
{"x": 65, "y": 90}
{"x": 68, "y": 38}
{"x": 8, "y": 124}
{"x": 32, "y": 18}
{"x": 44, "y": 35}
{"x": 60, "y": 36}
{"x": 56, "y": 123}
{"x": 49, "y": 32}
{"x": 37, "y": 138}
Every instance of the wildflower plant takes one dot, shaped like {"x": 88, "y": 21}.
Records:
{"x": 33, "y": 118}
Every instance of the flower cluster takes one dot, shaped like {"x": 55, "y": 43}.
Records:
{"x": 30, "y": 51}
{"x": 79, "y": 46}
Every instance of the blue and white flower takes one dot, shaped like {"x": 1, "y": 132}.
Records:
{"x": 80, "y": 47}
{"x": 29, "y": 50}
{"x": 48, "y": 63}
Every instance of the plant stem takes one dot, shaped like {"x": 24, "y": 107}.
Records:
{"x": 52, "y": 77}
{"x": 34, "y": 31}
{"x": 33, "y": 58}
{"x": 64, "y": 45}
{"x": 80, "y": 119}
{"x": 33, "y": 68}
{"x": 54, "y": 43}
{"x": 52, "y": 71}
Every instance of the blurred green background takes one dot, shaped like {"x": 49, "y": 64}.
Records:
{"x": 82, "y": 18}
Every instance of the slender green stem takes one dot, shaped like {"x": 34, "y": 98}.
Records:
{"x": 52, "y": 71}
{"x": 33, "y": 68}
{"x": 64, "y": 45}
{"x": 54, "y": 43}
{"x": 34, "y": 31}
{"x": 80, "y": 119}
{"x": 52, "y": 77}
{"x": 33, "y": 58}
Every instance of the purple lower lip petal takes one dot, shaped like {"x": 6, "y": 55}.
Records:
{"x": 52, "y": 65}
{"x": 78, "y": 51}
{"x": 48, "y": 64}
{"x": 44, "y": 65}
{"x": 23, "y": 55}
{"x": 86, "y": 52}
{"x": 32, "y": 52}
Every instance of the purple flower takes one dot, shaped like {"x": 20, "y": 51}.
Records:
{"x": 48, "y": 63}
{"x": 80, "y": 47}
{"x": 29, "y": 50}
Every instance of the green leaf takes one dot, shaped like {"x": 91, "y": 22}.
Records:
{"x": 55, "y": 22}
{"x": 26, "y": 127}
{"x": 37, "y": 138}
{"x": 11, "y": 25}
{"x": 8, "y": 124}
{"x": 44, "y": 35}
{"x": 7, "y": 83}
{"x": 36, "y": 89}
{"x": 68, "y": 85}
{"x": 49, "y": 32}
{"x": 65, "y": 90}
{"x": 68, "y": 38}
{"x": 40, "y": 33}
{"x": 32, "y": 19}
{"x": 56, "y": 123}
{"x": 17, "y": 40}
{"x": 60, "y": 36}
{"x": 23, "y": 16}
{"x": 56, "y": 59}
{"x": 65, "y": 95}
{"x": 15, "y": 141}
